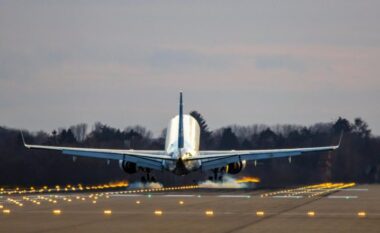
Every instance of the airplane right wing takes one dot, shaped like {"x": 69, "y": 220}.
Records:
{"x": 217, "y": 159}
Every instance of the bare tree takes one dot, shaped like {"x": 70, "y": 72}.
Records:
{"x": 79, "y": 131}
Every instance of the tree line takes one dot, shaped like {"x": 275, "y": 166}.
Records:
{"x": 358, "y": 159}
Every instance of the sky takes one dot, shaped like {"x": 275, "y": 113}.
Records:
{"x": 123, "y": 63}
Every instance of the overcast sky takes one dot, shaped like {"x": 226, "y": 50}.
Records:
{"x": 245, "y": 62}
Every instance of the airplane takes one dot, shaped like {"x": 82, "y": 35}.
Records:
{"x": 182, "y": 155}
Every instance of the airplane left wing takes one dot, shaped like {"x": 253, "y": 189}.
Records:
{"x": 144, "y": 158}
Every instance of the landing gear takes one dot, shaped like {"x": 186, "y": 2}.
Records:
{"x": 147, "y": 178}
{"x": 217, "y": 175}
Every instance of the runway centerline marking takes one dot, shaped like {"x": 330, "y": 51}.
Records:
{"x": 126, "y": 195}
{"x": 353, "y": 189}
{"x": 177, "y": 195}
{"x": 292, "y": 197}
{"x": 342, "y": 197}
{"x": 235, "y": 196}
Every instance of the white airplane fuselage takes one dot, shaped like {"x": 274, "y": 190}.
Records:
{"x": 190, "y": 149}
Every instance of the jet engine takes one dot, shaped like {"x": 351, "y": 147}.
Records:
{"x": 128, "y": 167}
{"x": 235, "y": 168}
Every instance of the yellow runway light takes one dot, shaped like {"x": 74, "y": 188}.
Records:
{"x": 138, "y": 202}
{"x": 209, "y": 213}
{"x": 362, "y": 214}
{"x": 247, "y": 179}
{"x": 260, "y": 213}
{"x": 56, "y": 212}
{"x": 181, "y": 202}
{"x": 93, "y": 202}
{"x": 1, "y": 206}
{"x": 6, "y": 211}
{"x": 107, "y": 212}
{"x": 311, "y": 213}
{"x": 158, "y": 212}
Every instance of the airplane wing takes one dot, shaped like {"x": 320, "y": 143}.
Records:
{"x": 217, "y": 159}
{"x": 144, "y": 158}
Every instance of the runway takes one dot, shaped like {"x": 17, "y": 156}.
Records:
{"x": 315, "y": 208}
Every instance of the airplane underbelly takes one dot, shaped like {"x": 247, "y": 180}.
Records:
{"x": 181, "y": 167}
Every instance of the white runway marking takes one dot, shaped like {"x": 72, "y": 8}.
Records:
{"x": 235, "y": 196}
{"x": 179, "y": 195}
{"x": 126, "y": 195}
{"x": 360, "y": 190}
{"x": 295, "y": 197}
{"x": 342, "y": 197}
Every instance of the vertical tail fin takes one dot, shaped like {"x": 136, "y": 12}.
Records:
{"x": 180, "y": 123}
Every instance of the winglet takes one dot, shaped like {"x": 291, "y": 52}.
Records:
{"x": 340, "y": 139}
{"x": 23, "y": 139}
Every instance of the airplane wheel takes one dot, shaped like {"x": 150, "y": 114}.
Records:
{"x": 143, "y": 179}
{"x": 153, "y": 179}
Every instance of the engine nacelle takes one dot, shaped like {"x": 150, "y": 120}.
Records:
{"x": 235, "y": 168}
{"x": 128, "y": 167}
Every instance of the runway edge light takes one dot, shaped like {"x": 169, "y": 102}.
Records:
{"x": 57, "y": 212}
{"x": 107, "y": 212}
{"x": 260, "y": 213}
{"x": 6, "y": 211}
{"x": 158, "y": 212}
{"x": 311, "y": 213}
{"x": 362, "y": 214}
{"x": 209, "y": 213}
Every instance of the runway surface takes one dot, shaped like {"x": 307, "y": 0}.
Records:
{"x": 318, "y": 208}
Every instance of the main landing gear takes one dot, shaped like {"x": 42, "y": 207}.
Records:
{"x": 217, "y": 175}
{"x": 148, "y": 178}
